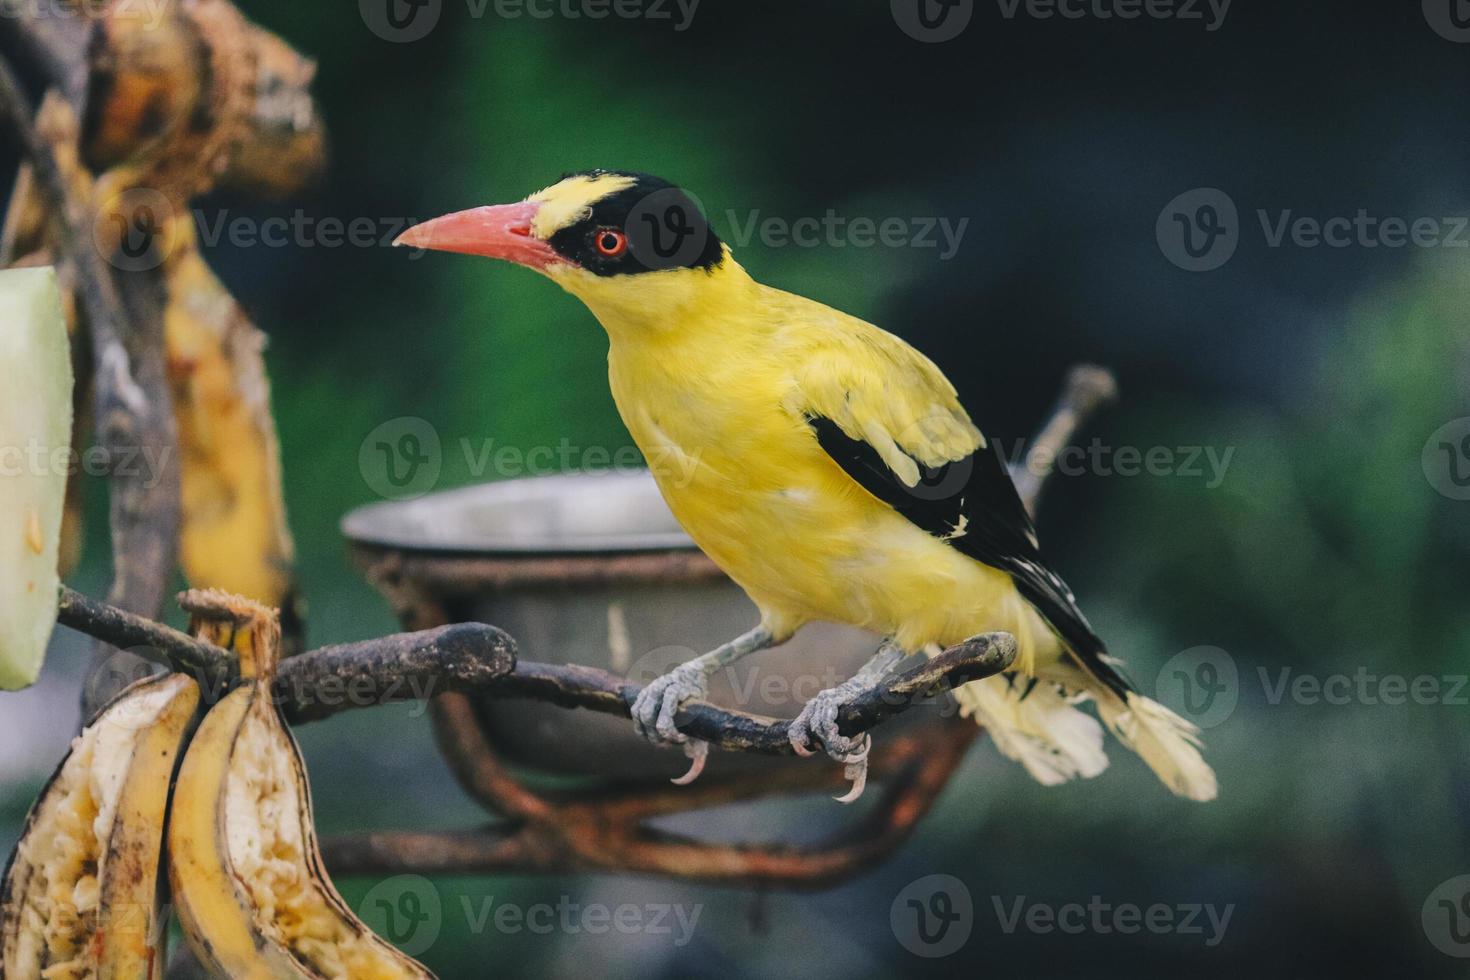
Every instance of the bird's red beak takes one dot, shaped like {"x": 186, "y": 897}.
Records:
{"x": 500, "y": 231}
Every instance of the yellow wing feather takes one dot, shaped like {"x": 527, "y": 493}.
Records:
{"x": 880, "y": 390}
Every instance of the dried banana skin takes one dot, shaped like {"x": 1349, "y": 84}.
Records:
{"x": 81, "y": 896}
{"x": 245, "y": 873}
{"x": 235, "y": 535}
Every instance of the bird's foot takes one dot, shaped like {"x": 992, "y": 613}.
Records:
{"x": 657, "y": 704}
{"x": 817, "y": 723}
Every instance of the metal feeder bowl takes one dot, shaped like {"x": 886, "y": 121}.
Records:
{"x": 592, "y": 569}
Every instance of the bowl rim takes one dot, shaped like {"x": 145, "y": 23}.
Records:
{"x": 366, "y": 524}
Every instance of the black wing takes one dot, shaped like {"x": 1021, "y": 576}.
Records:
{"x": 972, "y": 504}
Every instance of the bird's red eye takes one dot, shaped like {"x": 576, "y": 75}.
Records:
{"x": 611, "y": 242}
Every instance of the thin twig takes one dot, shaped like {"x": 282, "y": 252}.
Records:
{"x": 1087, "y": 388}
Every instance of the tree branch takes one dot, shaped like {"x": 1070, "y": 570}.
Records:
{"x": 155, "y": 642}
{"x": 573, "y": 686}
{"x": 474, "y": 658}
{"x": 1087, "y": 389}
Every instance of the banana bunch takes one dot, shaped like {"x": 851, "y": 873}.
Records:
{"x": 243, "y": 872}
{"x": 80, "y": 898}
{"x": 244, "y": 868}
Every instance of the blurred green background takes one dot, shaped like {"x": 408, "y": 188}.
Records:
{"x": 1334, "y": 543}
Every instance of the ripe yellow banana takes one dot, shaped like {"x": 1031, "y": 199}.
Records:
{"x": 246, "y": 875}
{"x": 81, "y": 895}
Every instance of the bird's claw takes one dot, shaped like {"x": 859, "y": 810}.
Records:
{"x": 697, "y": 752}
{"x": 817, "y": 725}
{"x": 657, "y": 704}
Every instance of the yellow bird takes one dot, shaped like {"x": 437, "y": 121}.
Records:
{"x": 828, "y": 468}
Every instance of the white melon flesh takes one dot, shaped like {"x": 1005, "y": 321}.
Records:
{"x": 35, "y": 456}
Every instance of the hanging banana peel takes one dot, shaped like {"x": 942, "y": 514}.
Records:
{"x": 234, "y": 534}
{"x": 81, "y": 896}
{"x": 245, "y": 873}
{"x": 205, "y": 60}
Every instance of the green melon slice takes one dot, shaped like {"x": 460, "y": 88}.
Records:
{"x": 35, "y": 456}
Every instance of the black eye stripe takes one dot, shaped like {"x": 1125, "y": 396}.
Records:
{"x": 649, "y": 207}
